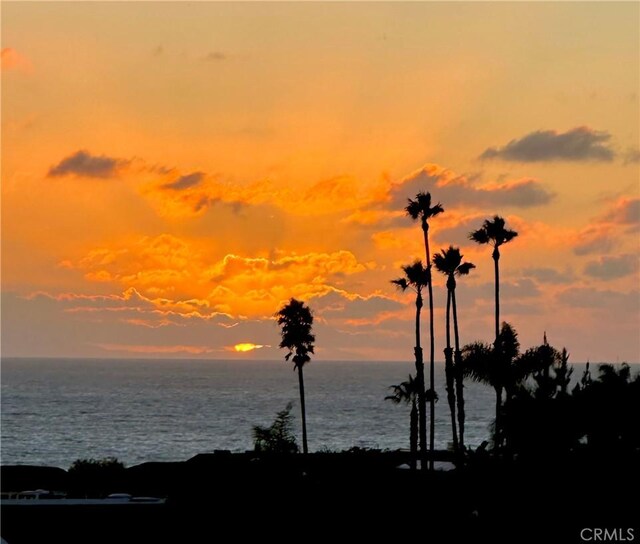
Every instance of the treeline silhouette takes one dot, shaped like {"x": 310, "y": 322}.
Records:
{"x": 534, "y": 409}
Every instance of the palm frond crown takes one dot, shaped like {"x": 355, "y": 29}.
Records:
{"x": 296, "y": 320}
{"x": 494, "y": 232}
{"x": 405, "y": 392}
{"x": 449, "y": 262}
{"x": 464, "y": 269}
{"x": 421, "y": 208}
{"x": 415, "y": 276}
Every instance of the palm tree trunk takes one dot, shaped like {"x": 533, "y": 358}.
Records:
{"x": 498, "y": 424}
{"x": 496, "y": 259}
{"x": 413, "y": 434}
{"x": 448, "y": 369}
{"x": 432, "y": 399}
{"x": 422, "y": 403}
{"x": 458, "y": 371}
{"x": 305, "y": 448}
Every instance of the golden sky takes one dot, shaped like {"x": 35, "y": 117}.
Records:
{"x": 173, "y": 172}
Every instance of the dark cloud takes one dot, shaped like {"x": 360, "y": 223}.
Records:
{"x": 83, "y": 164}
{"x": 595, "y": 245}
{"x": 549, "y": 275}
{"x": 588, "y": 297}
{"x": 632, "y": 156}
{"x": 530, "y": 307}
{"x": 578, "y": 144}
{"x": 185, "y": 182}
{"x": 626, "y": 212}
{"x": 215, "y": 56}
{"x": 456, "y": 191}
{"x": 594, "y": 240}
{"x": 523, "y": 288}
{"x": 610, "y": 268}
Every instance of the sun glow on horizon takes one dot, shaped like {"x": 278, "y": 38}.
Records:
{"x": 248, "y": 346}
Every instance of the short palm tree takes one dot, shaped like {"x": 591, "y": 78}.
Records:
{"x": 449, "y": 262}
{"x": 407, "y": 393}
{"x": 494, "y": 233}
{"x": 415, "y": 278}
{"x": 496, "y": 366}
{"x": 295, "y": 320}
{"x": 421, "y": 209}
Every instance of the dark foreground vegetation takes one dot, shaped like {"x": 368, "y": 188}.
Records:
{"x": 561, "y": 461}
{"x": 332, "y": 496}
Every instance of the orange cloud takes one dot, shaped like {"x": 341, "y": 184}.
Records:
{"x": 178, "y": 276}
{"x": 258, "y": 286}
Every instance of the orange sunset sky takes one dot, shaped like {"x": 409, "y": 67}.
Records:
{"x": 172, "y": 173}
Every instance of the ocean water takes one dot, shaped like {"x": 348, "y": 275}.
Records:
{"x": 55, "y": 410}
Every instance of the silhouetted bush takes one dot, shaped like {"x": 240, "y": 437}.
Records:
{"x": 278, "y": 438}
{"x": 600, "y": 414}
{"x": 96, "y": 477}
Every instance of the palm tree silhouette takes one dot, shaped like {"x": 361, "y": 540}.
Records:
{"x": 449, "y": 262}
{"x": 415, "y": 278}
{"x": 421, "y": 209}
{"x": 496, "y": 366}
{"x": 295, "y": 320}
{"x": 493, "y": 232}
{"x": 407, "y": 393}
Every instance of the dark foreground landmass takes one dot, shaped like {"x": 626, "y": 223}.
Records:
{"x": 333, "y": 497}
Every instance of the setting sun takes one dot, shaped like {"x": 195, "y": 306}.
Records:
{"x": 248, "y": 347}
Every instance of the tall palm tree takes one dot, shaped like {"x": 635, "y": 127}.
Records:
{"x": 449, "y": 262}
{"x": 496, "y": 366}
{"x": 407, "y": 393}
{"x": 494, "y": 233}
{"x": 415, "y": 278}
{"x": 295, "y": 320}
{"x": 421, "y": 209}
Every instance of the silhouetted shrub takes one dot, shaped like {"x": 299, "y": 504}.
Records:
{"x": 278, "y": 438}
{"x": 96, "y": 477}
{"x": 108, "y": 464}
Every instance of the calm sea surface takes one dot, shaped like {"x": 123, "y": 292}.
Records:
{"x": 55, "y": 411}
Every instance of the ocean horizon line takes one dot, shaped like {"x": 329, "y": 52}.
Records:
{"x": 242, "y": 360}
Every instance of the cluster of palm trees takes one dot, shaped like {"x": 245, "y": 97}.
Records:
{"x": 296, "y": 320}
{"x": 417, "y": 276}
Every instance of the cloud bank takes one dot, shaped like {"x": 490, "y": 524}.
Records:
{"x": 84, "y": 164}
{"x": 610, "y": 268}
{"x": 578, "y": 144}
{"x": 457, "y": 190}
